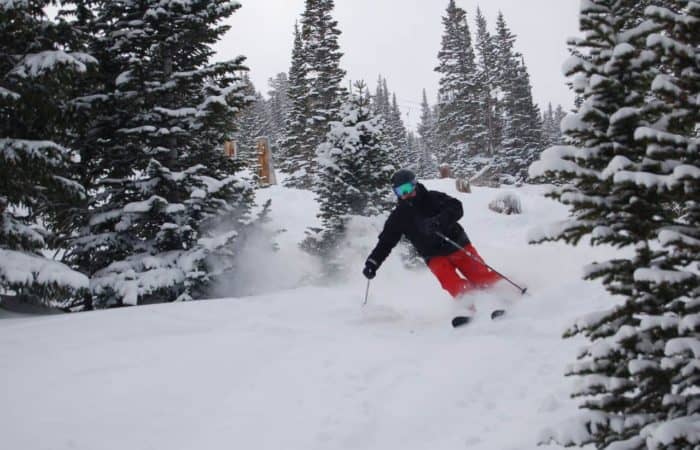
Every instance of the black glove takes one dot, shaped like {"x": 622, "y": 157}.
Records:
{"x": 370, "y": 270}
{"x": 431, "y": 225}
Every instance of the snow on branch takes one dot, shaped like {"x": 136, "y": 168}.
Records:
{"x": 664, "y": 435}
{"x": 144, "y": 206}
{"x": 670, "y": 45}
{"x": 575, "y": 431}
{"x": 683, "y": 345}
{"x": 5, "y": 93}
{"x": 553, "y": 231}
{"x": 658, "y": 276}
{"x": 667, "y": 237}
{"x": 559, "y": 159}
{"x": 19, "y": 268}
{"x": 143, "y": 274}
{"x": 180, "y": 112}
{"x": 10, "y": 150}
{"x": 38, "y": 64}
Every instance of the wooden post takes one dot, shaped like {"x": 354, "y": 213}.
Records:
{"x": 230, "y": 149}
{"x": 445, "y": 171}
{"x": 267, "y": 171}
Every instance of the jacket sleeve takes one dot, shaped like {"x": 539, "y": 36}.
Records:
{"x": 388, "y": 238}
{"x": 450, "y": 208}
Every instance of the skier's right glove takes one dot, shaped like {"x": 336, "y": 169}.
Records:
{"x": 370, "y": 270}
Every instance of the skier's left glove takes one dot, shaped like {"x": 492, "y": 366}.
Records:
{"x": 370, "y": 270}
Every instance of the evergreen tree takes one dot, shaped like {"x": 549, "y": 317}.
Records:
{"x": 667, "y": 288}
{"x": 394, "y": 128}
{"x": 380, "y": 101}
{"x": 633, "y": 149}
{"x": 38, "y": 64}
{"x": 298, "y": 150}
{"x": 319, "y": 33}
{"x": 355, "y": 165}
{"x": 253, "y": 122}
{"x": 559, "y": 115}
{"x": 397, "y": 135}
{"x": 279, "y": 107}
{"x": 488, "y": 136}
{"x": 164, "y": 200}
{"x": 522, "y": 132}
{"x": 457, "y": 102}
{"x": 551, "y": 125}
{"x": 427, "y": 166}
{"x": 413, "y": 151}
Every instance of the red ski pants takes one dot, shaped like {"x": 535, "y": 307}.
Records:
{"x": 459, "y": 273}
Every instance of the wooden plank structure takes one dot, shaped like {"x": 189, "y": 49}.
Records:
{"x": 231, "y": 149}
{"x": 267, "y": 171}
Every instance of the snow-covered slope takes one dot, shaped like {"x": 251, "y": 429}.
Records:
{"x": 309, "y": 367}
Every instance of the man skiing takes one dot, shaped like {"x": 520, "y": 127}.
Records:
{"x": 421, "y": 215}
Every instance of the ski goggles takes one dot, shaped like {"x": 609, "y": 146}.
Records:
{"x": 405, "y": 189}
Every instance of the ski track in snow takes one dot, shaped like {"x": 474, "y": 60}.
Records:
{"x": 310, "y": 368}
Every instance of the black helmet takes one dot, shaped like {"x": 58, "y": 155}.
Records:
{"x": 402, "y": 176}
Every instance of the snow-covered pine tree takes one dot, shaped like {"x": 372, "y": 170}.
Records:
{"x": 296, "y": 147}
{"x": 551, "y": 126}
{"x": 488, "y": 137}
{"x": 253, "y": 121}
{"x": 355, "y": 164}
{"x": 413, "y": 151}
{"x": 548, "y": 126}
{"x": 634, "y": 374}
{"x": 519, "y": 118}
{"x": 396, "y": 135}
{"x": 510, "y": 112}
{"x": 559, "y": 115}
{"x": 427, "y": 165}
{"x": 385, "y": 105}
{"x": 279, "y": 106}
{"x": 380, "y": 101}
{"x": 522, "y": 130}
{"x": 165, "y": 200}
{"x": 457, "y": 123}
{"x": 667, "y": 288}
{"x": 320, "y": 33}
{"x": 37, "y": 67}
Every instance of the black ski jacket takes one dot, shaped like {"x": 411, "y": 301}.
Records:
{"x": 408, "y": 219}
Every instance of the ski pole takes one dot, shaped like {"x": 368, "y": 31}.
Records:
{"x": 366, "y": 294}
{"x": 522, "y": 290}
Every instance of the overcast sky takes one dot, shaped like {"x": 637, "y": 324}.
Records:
{"x": 400, "y": 39}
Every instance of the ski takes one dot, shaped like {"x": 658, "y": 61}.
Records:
{"x": 459, "y": 321}
{"x": 496, "y": 313}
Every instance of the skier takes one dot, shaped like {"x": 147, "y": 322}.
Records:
{"x": 420, "y": 215}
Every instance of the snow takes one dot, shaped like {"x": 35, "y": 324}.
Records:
{"x": 659, "y": 276}
{"x": 144, "y": 206}
{"x": 21, "y": 268}
{"x": 664, "y": 435}
{"x": 623, "y": 50}
{"x": 123, "y": 77}
{"x": 558, "y": 158}
{"x": 38, "y": 64}
{"x": 300, "y": 366}
{"x": 664, "y": 83}
{"x": 7, "y": 94}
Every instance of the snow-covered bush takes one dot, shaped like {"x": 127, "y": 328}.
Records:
{"x": 507, "y": 203}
